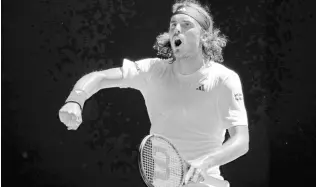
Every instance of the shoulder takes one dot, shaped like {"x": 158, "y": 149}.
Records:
{"x": 152, "y": 63}
{"x": 228, "y": 79}
{"x": 217, "y": 74}
{"x": 223, "y": 73}
{"x": 220, "y": 76}
{"x": 144, "y": 65}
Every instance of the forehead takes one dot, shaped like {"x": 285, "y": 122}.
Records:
{"x": 182, "y": 17}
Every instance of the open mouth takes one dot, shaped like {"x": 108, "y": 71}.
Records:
{"x": 177, "y": 42}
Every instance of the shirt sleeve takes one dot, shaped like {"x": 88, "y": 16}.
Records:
{"x": 231, "y": 102}
{"x": 137, "y": 73}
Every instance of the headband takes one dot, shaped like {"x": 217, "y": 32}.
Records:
{"x": 195, "y": 14}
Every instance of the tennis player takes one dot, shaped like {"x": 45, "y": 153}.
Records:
{"x": 192, "y": 99}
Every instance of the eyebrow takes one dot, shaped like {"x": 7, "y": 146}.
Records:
{"x": 173, "y": 21}
{"x": 186, "y": 20}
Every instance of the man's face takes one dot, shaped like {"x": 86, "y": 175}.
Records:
{"x": 184, "y": 33}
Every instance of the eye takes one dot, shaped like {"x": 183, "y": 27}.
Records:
{"x": 187, "y": 24}
{"x": 172, "y": 25}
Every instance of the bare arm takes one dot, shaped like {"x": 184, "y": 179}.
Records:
{"x": 91, "y": 83}
{"x": 95, "y": 81}
{"x": 123, "y": 77}
{"x": 234, "y": 116}
{"x": 236, "y": 146}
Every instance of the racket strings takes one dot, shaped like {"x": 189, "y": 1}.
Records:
{"x": 162, "y": 165}
{"x": 148, "y": 162}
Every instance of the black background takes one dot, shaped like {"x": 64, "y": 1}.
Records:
{"x": 47, "y": 45}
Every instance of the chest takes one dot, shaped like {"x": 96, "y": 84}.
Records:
{"x": 169, "y": 93}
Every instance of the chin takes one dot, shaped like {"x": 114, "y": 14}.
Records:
{"x": 182, "y": 54}
{"x": 178, "y": 55}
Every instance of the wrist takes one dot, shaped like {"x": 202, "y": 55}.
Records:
{"x": 77, "y": 96}
{"x": 75, "y": 103}
{"x": 209, "y": 162}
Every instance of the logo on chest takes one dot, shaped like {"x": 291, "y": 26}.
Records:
{"x": 202, "y": 85}
{"x": 201, "y": 88}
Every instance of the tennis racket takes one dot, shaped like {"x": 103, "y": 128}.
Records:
{"x": 161, "y": 165}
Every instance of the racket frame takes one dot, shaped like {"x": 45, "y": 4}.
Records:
{"x": 185, "y": 165}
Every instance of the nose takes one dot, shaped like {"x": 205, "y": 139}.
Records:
{"x": 177, "y": 29}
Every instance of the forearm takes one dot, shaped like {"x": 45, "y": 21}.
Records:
{"x": 232, "y": 149}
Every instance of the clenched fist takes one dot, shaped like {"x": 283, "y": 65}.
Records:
{"x": 70, "y": 115}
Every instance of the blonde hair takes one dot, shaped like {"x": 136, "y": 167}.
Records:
{"x": 212, "y": 41}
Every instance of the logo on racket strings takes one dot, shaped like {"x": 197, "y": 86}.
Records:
{"x": 162, "y": 162}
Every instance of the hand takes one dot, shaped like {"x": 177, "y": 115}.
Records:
{"x": 197, "y": 168}
{"x": 199, "y": 163}
{"x": 70, "y": 115}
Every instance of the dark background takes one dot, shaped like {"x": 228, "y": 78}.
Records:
{"x": 47, "y": 45}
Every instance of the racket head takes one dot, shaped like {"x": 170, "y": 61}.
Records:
{"x": 160, "y": 163}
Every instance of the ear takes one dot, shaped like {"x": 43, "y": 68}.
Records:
{"x": 203, "y": 34}
{"x": 203, "y": 37}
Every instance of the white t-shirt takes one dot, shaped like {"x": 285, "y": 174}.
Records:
{"x": 193, "y": 111}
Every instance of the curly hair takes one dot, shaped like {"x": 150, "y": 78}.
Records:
{"x": 213, "y": 41}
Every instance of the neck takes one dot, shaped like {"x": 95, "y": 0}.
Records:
{"x": 190, "y": 64}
